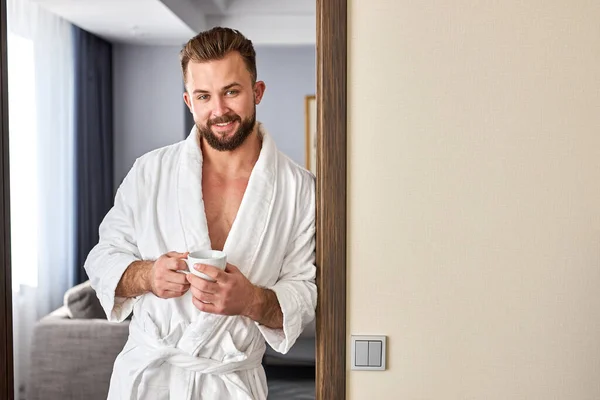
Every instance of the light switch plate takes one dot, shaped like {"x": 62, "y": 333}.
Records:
{"x": 368, "y": 353}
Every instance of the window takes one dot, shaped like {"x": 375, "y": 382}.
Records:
{"x": 23, "y": 161}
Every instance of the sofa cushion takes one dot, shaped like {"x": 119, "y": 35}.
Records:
{"x": 82, "y": 303}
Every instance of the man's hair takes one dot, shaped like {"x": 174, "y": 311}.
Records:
{"x": 215, "y": 44}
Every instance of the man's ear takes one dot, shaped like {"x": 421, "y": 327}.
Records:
{"x": 187, "y": 100}
{"x": 259, "y": 91}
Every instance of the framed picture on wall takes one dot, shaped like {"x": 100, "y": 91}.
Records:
{"x": 310, "y": 109}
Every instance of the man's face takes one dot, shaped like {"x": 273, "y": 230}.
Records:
{"x": 223, "y": 100}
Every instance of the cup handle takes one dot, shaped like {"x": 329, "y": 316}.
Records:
{"x": 182, "y": 271}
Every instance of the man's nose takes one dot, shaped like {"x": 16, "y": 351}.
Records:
{"x": 219, "y": 106}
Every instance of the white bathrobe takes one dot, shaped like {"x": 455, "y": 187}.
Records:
{"x": 175, "y": 351}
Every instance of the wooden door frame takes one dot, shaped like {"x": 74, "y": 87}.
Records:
{"x": 6, "y": 348}
{"x": 331, "y": 206}
{"x": 331, "y": 199}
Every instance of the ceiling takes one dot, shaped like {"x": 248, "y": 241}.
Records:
{"x": 173, "y": 22}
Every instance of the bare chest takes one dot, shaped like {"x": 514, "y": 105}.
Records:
{"x": 222, "y": 201}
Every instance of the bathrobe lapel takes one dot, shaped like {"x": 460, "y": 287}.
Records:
{"x": 252, "y": 219}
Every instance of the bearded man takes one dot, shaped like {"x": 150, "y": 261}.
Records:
{"x": 226, "y": 187}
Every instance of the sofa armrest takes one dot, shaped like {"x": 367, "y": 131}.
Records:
{"x": 73, "y": 358}
{"x": 59, "y": 313}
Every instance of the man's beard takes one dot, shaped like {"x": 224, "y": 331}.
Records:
{"x": 221, "y": 144}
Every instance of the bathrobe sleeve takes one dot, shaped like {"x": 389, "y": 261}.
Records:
{"x": 296, "y": 290}
{"x": 115, "y": 251}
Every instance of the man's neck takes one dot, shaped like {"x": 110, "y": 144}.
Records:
{"x": 235, "y": 163}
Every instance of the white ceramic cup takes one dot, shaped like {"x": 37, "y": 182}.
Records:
{"x": 215, "y": 258}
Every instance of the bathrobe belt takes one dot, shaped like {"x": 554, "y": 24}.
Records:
{"x": 169, "y": 350}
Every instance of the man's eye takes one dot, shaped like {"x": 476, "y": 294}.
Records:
{"x": 231, "y": 92}
{"x": 202, "y": 97}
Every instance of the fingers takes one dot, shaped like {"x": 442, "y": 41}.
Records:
{"x": 180, "y": 264}
{"x": 175, "y": 287}
{"x": 171, "y": 263}
{"x": 232, "y": 269}
{"x": 175, "y": 254}
{"x": 203, "y": 296}
{"x": 166, "y": 282}
{"x": 212, "y": 271}
{"x": 202, "y": 284}
{"x": 167, "y": 290}
{"x": 167, "y": 274}
{"x": 207, "y": 307}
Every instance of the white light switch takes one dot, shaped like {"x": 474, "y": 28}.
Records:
{"x": 362, "y": 353}
{"x": 375, "y": 347}
{"x": 368, "y": 353}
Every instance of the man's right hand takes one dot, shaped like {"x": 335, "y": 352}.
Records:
{"x": 164, "y": 280}
{"x": 159, "y": 277}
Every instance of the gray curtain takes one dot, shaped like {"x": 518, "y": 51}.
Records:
{"x": 93, "y": 140}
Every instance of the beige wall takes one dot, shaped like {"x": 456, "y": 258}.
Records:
{"x": 474, "y": 197}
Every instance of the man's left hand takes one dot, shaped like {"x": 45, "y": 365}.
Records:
{"x": 231, "y": 293}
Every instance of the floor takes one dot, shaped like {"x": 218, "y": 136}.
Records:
{"x": 291, "y": 383}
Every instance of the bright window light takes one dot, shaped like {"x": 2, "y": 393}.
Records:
{"x": 23, "y": 162}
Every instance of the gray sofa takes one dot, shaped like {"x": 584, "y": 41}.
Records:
{"x": 74, "y": 348}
